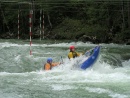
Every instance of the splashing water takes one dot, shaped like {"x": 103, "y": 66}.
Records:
{"x": 21, "y": 75}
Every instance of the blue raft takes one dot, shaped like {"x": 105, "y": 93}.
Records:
{"x": 92, "y": 58}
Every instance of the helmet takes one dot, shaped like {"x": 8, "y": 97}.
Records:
{"x": 49, "y": 60}
{"x": 72, "y": 47}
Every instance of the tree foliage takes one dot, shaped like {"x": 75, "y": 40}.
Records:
{"x": 107, "y": 20}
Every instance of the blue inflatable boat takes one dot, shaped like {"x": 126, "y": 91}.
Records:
{"x": 92, "y": 57}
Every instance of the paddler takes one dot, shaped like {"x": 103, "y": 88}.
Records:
{"x": 49, "y": 64}
{"x": 73, "y": 53}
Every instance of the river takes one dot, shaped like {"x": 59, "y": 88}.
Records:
{"x": 22, "y": 74}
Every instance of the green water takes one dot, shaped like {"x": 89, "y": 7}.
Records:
{"x": 21, "y": 75}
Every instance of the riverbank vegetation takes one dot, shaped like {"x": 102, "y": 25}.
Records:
{"x": 98, "y": 21}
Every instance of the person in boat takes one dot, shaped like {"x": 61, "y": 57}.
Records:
{"x": 49, "y": 64}
{"x": 73, "y": 53}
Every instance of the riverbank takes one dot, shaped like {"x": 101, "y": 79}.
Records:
{"x": 83, "y": 38}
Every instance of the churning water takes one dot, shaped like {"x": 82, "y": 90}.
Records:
{"x": 21, "y": 75}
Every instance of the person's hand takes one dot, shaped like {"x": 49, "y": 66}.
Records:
{"x": 61, "y": 62}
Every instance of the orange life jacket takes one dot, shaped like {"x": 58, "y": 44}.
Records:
{"x": 49, "y": 66}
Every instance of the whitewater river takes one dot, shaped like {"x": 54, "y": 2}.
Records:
{"x": 21, "y": 75}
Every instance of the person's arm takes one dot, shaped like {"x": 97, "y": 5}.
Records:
{"x": 78, "y": 54}
{"x": 55, "y": 64}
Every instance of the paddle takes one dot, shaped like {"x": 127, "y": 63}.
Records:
{"x": 62, "y": 60}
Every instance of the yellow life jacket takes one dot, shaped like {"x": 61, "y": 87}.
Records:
{"x": 73, "y": 54}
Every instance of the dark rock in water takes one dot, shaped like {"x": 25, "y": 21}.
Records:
{"x": 92, "y": 39}
{"x": 128, "y": 42}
